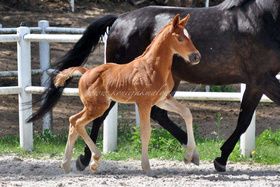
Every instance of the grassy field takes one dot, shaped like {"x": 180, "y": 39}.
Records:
{"x": 162, "y": 146}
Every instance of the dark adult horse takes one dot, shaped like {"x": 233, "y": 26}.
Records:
{"x": 239, "y": 41}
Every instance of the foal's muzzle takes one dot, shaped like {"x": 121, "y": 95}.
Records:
{"x": 194, "y": 57}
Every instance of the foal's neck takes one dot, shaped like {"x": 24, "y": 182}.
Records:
{"x": 159, "y": 52}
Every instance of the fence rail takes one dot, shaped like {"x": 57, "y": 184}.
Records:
{"x": 214, "y": 96}
{"x": 9, "y": 90}
{"x": 52, "y": 38}
{"x": 25, "y": 90}
{"x": 10, "y": 38}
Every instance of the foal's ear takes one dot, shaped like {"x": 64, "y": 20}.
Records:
{"x": 176, "y": 20}
{"x": 185, "y": 20}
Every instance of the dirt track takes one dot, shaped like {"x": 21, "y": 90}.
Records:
{"x": 32, "y": 172}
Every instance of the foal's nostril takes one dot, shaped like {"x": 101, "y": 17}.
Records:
{"x": 195, "y": 58}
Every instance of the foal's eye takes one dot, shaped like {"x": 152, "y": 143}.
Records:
{"x": 180, "y": 39}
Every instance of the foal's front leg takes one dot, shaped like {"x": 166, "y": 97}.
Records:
{"x": 172, "y": 105}
{"x": 145, "y": 132}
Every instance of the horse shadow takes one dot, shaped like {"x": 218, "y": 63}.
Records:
{"x": 117, "y": 169}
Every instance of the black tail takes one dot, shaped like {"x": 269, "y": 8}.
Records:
{"x": 75, "y": 57}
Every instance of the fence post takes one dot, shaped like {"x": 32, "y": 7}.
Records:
{"x": 207, "y": 3}
{"x": 137, "y": 119}
{"x": 110, "y": 128}
{"x": 44, "y": 53}
{"x": 247, "y": 140}
{"x": 72, "y": 4}
{"x": 24, "y": 80}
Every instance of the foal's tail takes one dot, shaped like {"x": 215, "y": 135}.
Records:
{"x": 61, "y": 78}
{"x": 75, "y": 57}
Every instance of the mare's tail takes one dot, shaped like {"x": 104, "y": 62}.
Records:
{"x": 75, "y": 57}
{"x": 61, "y": 78}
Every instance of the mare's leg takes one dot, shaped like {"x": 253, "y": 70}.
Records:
{"x": 83, "y": 160}
{"x": 145, "y": 132}
{"x": 267, "y": 84}
{"x": 249, "y": 103}
{"x": 172, "y": 105}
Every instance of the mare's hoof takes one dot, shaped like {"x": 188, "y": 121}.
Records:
{"x": 79, "y": 164}
{"x": 219, "y": 167}
{"x": 195, "y": 160}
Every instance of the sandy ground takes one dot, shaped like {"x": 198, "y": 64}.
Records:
{"x": 32, "y": 172}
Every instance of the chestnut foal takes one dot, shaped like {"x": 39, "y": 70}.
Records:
{"x": 146, "y": 81}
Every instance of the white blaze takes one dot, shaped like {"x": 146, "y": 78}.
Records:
{"x": 186, "y": 33}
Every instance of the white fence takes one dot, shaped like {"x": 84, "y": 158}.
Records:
{"x": 23, "y": 37}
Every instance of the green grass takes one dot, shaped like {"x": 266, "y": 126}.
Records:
{"x": 45, "y": 145}
{"x": 222, "y": 88}
{"x": 162, "y": 146}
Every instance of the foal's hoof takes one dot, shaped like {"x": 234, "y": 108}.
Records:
{"x": 65, "y": 168}
{"x": 79, "y": 165}
{"x": 94, "y": 166}
{"x": 93, "y": 169}
{"x": 186, "y": 161}
{"x": 195, "y": 160}
{"x": 219, "y": 167}
{"x": 150, "y": 173}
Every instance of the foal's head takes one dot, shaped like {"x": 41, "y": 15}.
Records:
{"x": 181, "y": 41}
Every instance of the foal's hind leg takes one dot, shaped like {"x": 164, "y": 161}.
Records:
{"x": 172, "y": 105}
{"x": 94, "y": 108}
{"x": 79, "y": 124}
{"x": 96, "y": 154}
{"x": 72, "y": 137}
{"x": 83, "y": 160}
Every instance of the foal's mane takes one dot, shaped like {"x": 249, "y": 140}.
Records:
{"x": 157, "y": 36}
{"x": 231, "y": 4}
